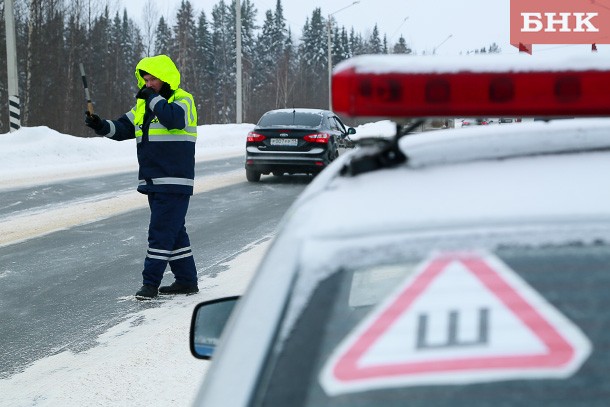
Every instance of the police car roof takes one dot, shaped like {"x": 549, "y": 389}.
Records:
{"x": 496, "y": 176}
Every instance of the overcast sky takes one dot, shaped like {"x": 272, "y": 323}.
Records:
{"x": 449, "y": 26}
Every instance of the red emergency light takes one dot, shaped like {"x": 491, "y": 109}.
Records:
{"x": 392, "y": 86}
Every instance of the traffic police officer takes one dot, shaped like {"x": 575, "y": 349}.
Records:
{"x": 164, "y": 124}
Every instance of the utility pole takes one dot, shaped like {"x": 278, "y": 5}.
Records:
{"x": 11, "y": 67}
{"x": 238, "y": 107}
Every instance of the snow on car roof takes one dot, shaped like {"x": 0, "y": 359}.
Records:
{"x": 472, "y": 63}
{"x": 476, "y": 189}
{"x": 462, "y": 145}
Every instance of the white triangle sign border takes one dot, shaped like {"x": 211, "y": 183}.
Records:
{"x": 342, "y": 373}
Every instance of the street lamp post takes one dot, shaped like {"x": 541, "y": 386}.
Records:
{"x": 444, "y": 41}
{"x": 238, "y": 84}
{"x": 330, "y": 60}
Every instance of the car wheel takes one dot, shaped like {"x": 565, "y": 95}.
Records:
{"x": 253, "y": 176}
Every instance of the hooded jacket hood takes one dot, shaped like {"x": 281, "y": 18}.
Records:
{"x": 160, "y": 66}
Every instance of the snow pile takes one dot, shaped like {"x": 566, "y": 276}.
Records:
{"x": 383, "y": 129}
{"x": 38, "y": 155}
{"x": 35, "y": 155}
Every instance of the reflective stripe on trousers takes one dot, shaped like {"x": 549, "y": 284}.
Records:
{"x": 169, "y": 181}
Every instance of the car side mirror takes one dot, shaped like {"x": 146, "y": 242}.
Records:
{"x": 351, "y": 130}
{"x": 208, "y": 322}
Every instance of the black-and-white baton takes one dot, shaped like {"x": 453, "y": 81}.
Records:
{"x": 89, "y": 103}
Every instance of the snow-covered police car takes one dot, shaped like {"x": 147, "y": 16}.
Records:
{"x": 464, "y": 267}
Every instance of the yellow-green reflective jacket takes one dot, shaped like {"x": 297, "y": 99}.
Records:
{"x": 165, "y": 130}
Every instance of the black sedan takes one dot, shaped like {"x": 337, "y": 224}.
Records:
{"x": 294, "y": 141}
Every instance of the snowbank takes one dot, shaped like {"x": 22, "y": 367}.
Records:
{"x": 36, "y": 155}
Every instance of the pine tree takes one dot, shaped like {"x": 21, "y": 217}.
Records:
{"x": 336, "y": 51}
{"x": 112, "y": 76}
{"x": 345, "y": 50}
{"x": 356, "y": 44}
{"x": 265, "y": 60}
{"x": 287, "y": 73}
{"x": 185, "y": 32}
{"x": 494, "y": 49}
{"x": 45, "y": 47}
{"x": 205, "y": 74}
{"x": 116, "y": 68}
{"x": 98, "y": 63}
{"x": 401, "y": 47}
{"x": 224, "y": 64}
{"x": 313, "y": 50}
{"x": 285, "y": 55}
{"x": 272, "y": 59}
{"x": 133, "y": 51}
{"x": 374, "y": 44}
{"x": 76, "y": 38}
{"x": 163, "y": 40}
{"x": 150, "y": 15}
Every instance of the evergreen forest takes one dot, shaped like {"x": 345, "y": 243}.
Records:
{"x": 280, "y": 68}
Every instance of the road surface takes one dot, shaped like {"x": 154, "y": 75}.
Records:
{"x": 62, "y": 286}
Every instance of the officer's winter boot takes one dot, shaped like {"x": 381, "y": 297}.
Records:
{"x": 147, "y": 292}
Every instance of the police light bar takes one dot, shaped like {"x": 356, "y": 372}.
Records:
{"x": 393, "y": 86}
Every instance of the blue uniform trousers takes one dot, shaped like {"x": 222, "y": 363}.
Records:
{"x": 168, "y": 241}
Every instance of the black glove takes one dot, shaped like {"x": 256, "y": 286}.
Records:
{"x": 93, "y": 121}
{"x": 145, "y": 93}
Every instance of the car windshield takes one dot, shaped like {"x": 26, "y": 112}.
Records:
{"x": 290, "y": 118}
{"x": 337, "y": 348}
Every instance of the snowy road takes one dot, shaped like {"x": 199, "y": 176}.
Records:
{"x": 71, "y": 333}
{"x": 63, "y": 289}
{"x": 71, "y": 255}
